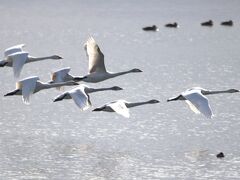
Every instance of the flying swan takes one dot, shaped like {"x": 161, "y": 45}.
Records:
{"x": 197, "y": 101}
{"x": 80, "y": 95}
{"x": 31, "y": 85}
{"x": 96, "y": 68}
{"x": 15, "y": 57}
{"x": 121, "y": 106}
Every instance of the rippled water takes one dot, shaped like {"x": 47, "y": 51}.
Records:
{"x": 47, "y": 140}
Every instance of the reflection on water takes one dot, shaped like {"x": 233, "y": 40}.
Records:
{"x": 49, "y": 140}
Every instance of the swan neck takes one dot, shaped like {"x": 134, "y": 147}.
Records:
{"x": 34, "y": 59}
{"x": 91, "y": 90}
{"x": 129, "y": 105}
{"x": 120, "y": 73}
{"x": 53, "y": 85}
{"x": 214, "y": 92}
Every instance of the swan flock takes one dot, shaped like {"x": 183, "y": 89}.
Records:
{"x": 16, "y": 58}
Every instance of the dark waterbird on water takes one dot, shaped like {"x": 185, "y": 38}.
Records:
{"x": 207, "y": 23}
{"x": 227, "y": 23}
{"x": 151, "y": 28}
{"x": 172, "y": 25}
{"x": 220, "y": 155}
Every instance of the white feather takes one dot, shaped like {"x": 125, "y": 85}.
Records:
{"x": 95, "y": 56}
{"x": 80, "y": 98}
{"x": 198, "y": 102}
{"x": 18, "y": 60}
{"x": 28, "y": 86}
{"x": 59, "y": 76}
{"x": 120, "y": 108}
{"x": 13, "y": 49}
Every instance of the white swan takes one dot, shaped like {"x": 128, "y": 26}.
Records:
{"x": 16, "y": 58}
{"x": 80, "y": 95}
{"x": 96, "y": 68}
{"x": 121, "y": 106}
{"x": 31, "y": 85}
{"x": 196, "y": 100}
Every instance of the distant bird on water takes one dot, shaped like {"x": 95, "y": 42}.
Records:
{"x": 220, "y": 155}
{"x": 151, "y": 28}
{"x": 172, "y": 25}
{"x": 80, "y": 95}
{"x": 31, "y": 85}
{"x": 96, "y": 67}
{"x": 16, "y": 58}
{"x": 121, "y": 106}
{"x": 197, "y": 101}
{"x": 207, "y": 23}
{"x": 227, "y": 23}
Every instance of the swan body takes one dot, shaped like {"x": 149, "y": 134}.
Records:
{"x": 16, "y": 58}
{"x": 197, "y": 101}
{"x": 80, "y": 95}
{"x": 28, "y": 86}
{"x": 121, "y": 106}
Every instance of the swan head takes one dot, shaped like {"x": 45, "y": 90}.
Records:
{"x": 233, "y": 90}
{"x": 136, "y": 70}
{"x": 116, "y": 88}
{"x": 56, "y": 57}
{"x": 153, "y": 101}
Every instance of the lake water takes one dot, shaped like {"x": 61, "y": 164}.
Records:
{"x": 47, "y": 140}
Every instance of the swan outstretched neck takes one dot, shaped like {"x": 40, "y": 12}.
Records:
{"x": 208, "y": 92}
{"x": 80, "y": 95}
{"x": 35, "y": 59}
{"x": 121, "y": 106}
{"x": 195, "y": 98}
{"x": 28, "y": 86}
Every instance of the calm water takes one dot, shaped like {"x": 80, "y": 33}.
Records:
{"x": 47, "y": 140}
